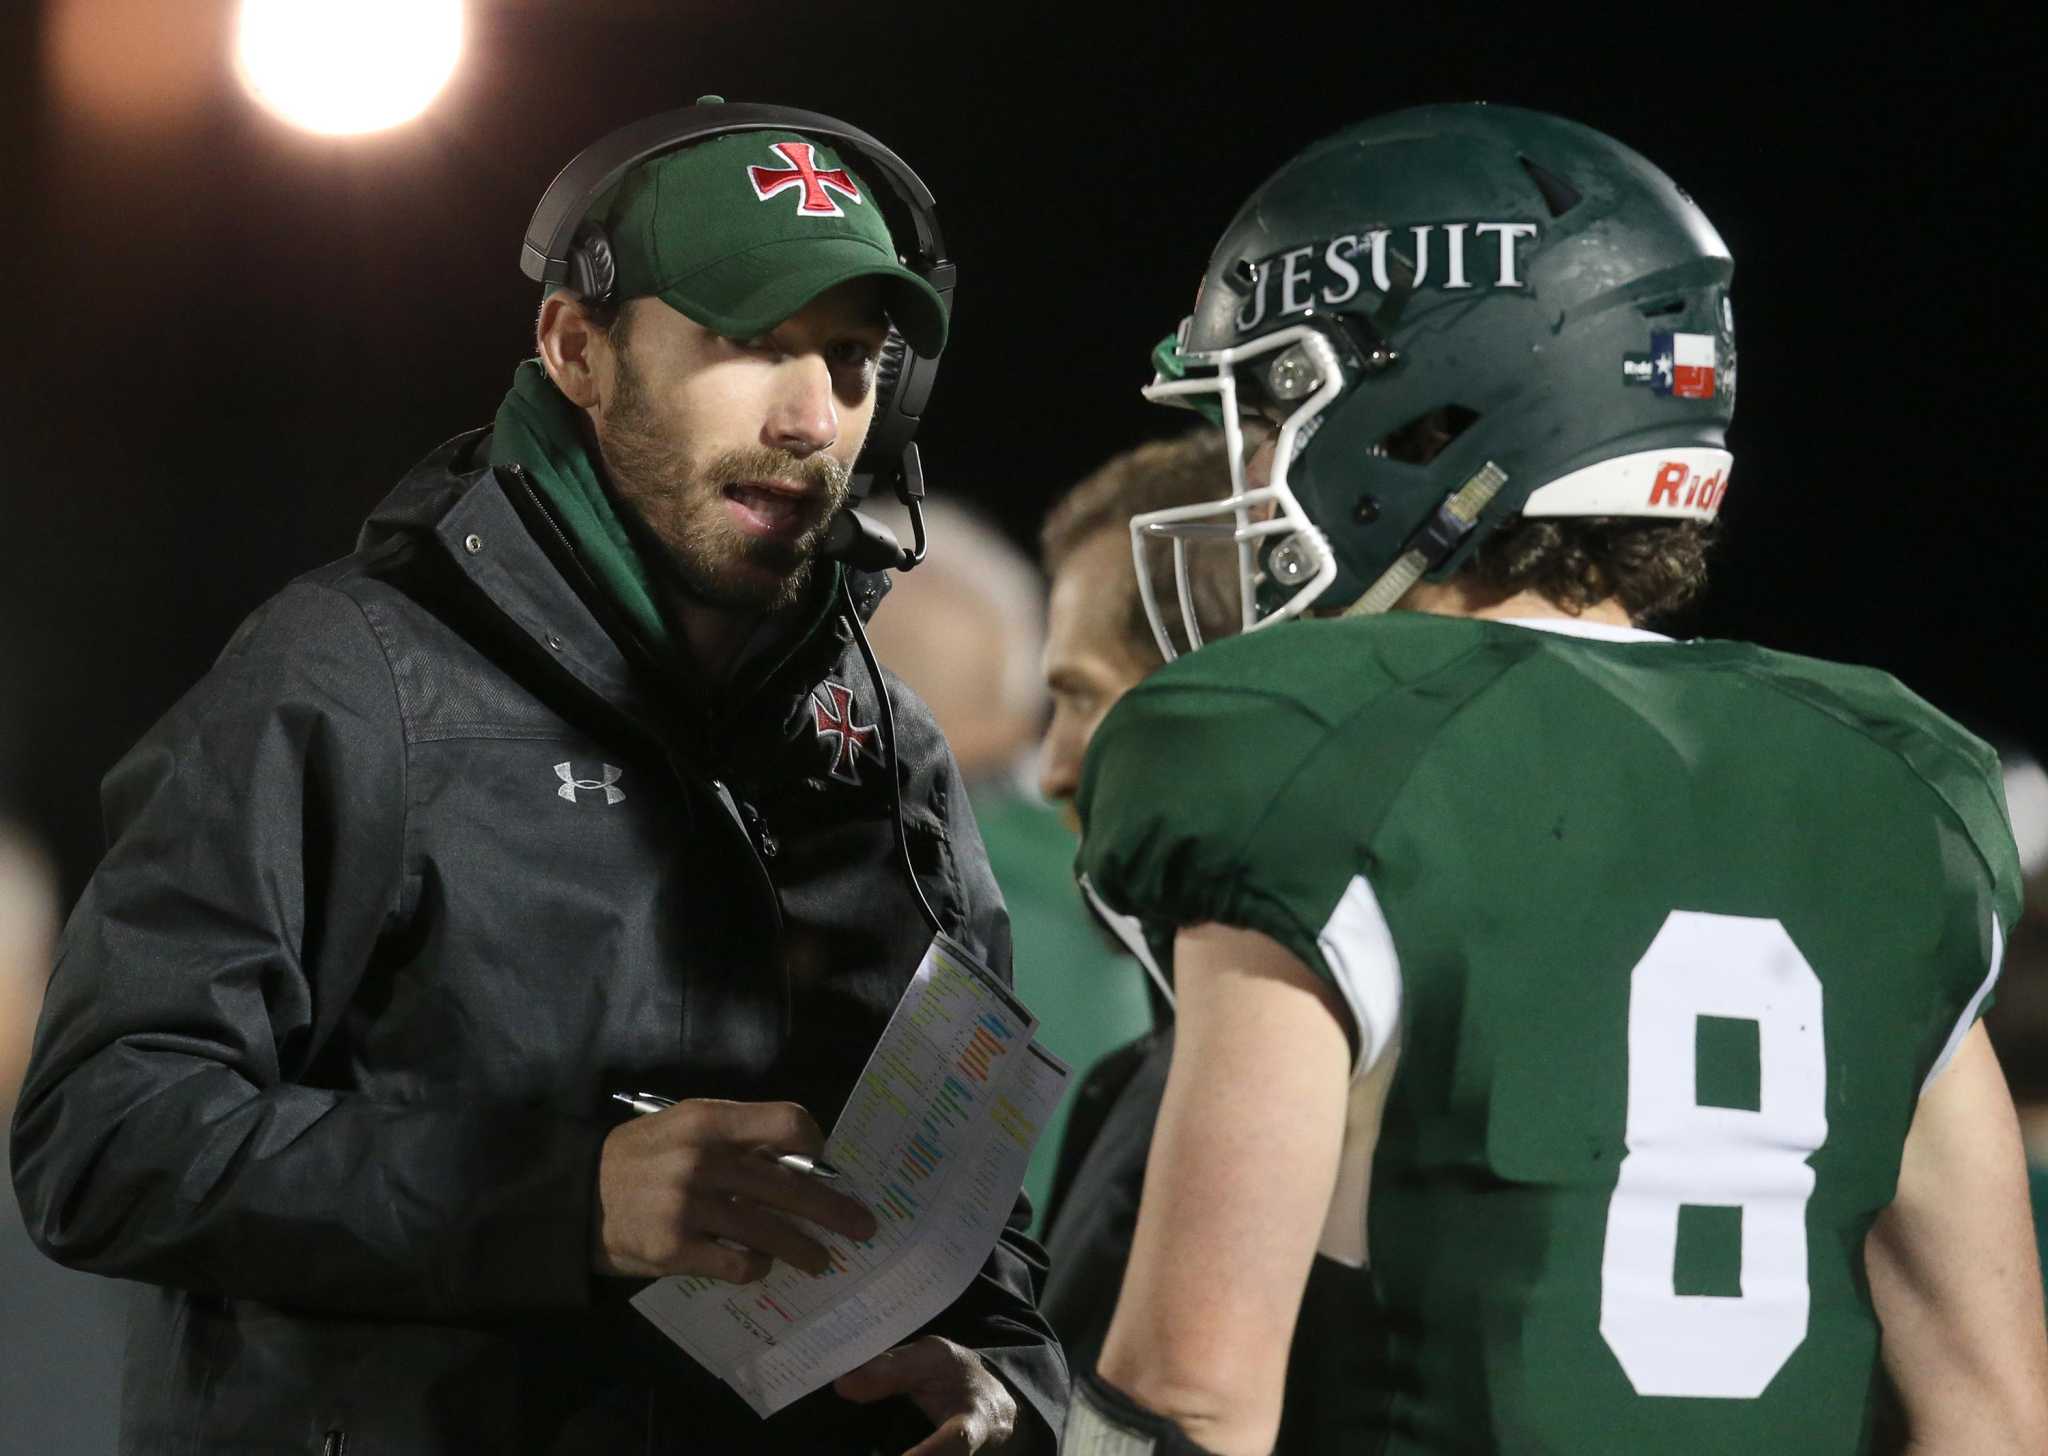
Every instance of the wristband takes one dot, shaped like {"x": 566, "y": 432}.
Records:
{"x": 1103, "y": 1421}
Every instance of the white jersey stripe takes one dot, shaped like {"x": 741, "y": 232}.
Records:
{"x": 1127, "y": 929}
{"x": 1969, "y": 1016}
{"x": 1359, "y": 949}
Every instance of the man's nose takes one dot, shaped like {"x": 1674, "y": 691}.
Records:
{"x": 804, "y": 417}
{"x": 1058, "y": 767}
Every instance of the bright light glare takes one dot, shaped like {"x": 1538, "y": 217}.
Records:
{"x": 348, "y": 66}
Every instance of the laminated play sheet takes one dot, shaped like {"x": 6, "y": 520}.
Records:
{"x": 934, "y": 1140}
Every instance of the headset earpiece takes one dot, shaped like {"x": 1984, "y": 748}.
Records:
{"x": 592, "y": 272}
{"x": 889, "y": 371}
{"x": 889, "y": 430}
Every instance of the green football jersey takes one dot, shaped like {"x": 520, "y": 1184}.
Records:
{"x": 1665, "y": 940}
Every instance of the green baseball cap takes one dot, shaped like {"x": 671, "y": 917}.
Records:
{"x": 741, "y": 231}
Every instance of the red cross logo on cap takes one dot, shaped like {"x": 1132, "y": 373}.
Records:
{"x": 817, "y": 201}
{"x": 832, "y": 716}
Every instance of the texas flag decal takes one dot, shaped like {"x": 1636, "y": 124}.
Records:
{"x": 1682, "y": 365}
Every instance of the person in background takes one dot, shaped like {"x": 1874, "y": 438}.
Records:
{"x": 965, "y": 630}
{"x": 1099, "y": 644}
{"x": 28, "y": 939}
{"x": 60, "y": 1332}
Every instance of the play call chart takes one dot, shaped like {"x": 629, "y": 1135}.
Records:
{"x": 934, "y": 1140}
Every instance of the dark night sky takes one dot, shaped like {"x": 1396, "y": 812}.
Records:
{"x": 229, "y": 338}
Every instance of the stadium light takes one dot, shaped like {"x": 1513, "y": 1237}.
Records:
{"x": 343, "y": 67}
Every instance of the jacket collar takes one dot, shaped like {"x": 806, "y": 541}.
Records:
{"x": 456, "y": 501}
{"x": 487, "y": 538}
{"x": 489, "y": 523}
{"x": 538, "y": 430}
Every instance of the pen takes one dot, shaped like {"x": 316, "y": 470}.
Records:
{"x": 644, "y": 1103}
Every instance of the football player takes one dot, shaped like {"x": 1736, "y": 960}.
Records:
{"x": 1099, "y": 643}
{"x": 1614, "y": 998}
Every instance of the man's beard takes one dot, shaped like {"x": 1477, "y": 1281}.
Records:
{"x": 718, "y": 562}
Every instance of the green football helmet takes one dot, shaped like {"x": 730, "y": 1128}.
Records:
{"x": 1448, "y": 316}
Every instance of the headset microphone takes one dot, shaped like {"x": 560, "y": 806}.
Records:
{"x": 863, "y": 543}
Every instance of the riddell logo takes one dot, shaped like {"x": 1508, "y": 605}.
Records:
{"x": 1678, "y": 488}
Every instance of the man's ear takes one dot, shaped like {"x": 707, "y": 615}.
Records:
{"x": 575, "y": 352}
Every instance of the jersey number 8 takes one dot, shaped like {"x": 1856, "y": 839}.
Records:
{"x": 1684, "y": 1152}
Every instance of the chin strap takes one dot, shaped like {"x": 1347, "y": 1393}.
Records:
{"x": 1103, "y": 1421}
{"x": 1433, "y": 543}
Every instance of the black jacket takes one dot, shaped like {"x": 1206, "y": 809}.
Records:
{"x": 397, "y": 895}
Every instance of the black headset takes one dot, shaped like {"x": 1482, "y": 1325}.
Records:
{"x": 564, "y": 247}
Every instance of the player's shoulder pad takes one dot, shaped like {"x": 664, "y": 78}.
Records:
{"x": 1329, "y": 667}
{"x": 1187, "y": 767}
{"x": 1959, "y": 769}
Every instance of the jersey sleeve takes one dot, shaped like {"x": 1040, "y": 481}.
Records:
{"x": 1177, "y": 780}
{"x": 1964, "y": 772}
{"x": 1178, "y": 804}
{"x": 1963, "y": 775}
{"x": 1958, "y": 768}
{"x": 1244, "y": 785}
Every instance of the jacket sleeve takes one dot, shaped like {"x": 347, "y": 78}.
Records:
{"x": 998, "y": 1316}
{"x": 180, "y": 1124}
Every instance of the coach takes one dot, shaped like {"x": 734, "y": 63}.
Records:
{"x": 567, "y": 782}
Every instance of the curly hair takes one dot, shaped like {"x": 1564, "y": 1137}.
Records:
{"x": 1651, "y": 567}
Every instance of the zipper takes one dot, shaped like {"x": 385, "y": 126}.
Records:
{"x": 734, "y": 817}
{"x": 334, "y": 1443}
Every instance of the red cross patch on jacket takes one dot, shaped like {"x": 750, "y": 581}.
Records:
{"x": 832, "y": 716}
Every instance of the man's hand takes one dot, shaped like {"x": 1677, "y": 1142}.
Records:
{"x": 676, "y": 1188}
{"x": 972, "y": 1409}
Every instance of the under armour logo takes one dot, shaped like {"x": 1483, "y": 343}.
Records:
{"x": 570, "y": 783}
{"x": 816, "y": 202}
{"x": 832, "y": 716}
